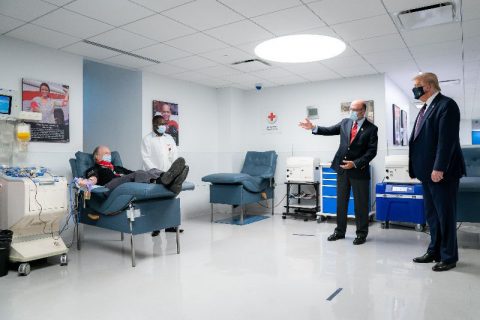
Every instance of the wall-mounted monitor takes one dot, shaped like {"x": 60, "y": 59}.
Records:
{"x": 5, "y": 104}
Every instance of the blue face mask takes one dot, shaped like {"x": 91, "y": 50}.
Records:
{"x": 107, "y": 157}
{"x": 161, "y": 129}
{"x": 354, "y": 115}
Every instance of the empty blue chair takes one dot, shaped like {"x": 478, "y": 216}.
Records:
{"x": 239, "y": 189}
{"x": 159, "y": 207}
{"x": 468, "y": 201}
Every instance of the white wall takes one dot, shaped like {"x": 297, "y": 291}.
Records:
{"x": 289, "y": 103}
{"x": 465, "y": 132}
{"x": 198, "y": 133}
{"x": 19, "y": 59}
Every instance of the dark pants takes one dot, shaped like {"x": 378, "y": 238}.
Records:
{"x": 440, "y": 211}
{"x": 136, "y": 176}
{"x": 361, "y": 194}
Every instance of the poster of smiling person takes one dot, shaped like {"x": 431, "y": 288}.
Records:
{"x": 52, "y": 101}
{"x": 169, "y": 111}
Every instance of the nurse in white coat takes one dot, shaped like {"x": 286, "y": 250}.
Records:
{"x": 158, "y": 147}
{"x": 159, "y": 151}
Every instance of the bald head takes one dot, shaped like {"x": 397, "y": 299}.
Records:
{"x": 359, "y": 106}
{"x": 99, "y": 152}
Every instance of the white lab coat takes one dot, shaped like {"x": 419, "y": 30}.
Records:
{"x": 158, "y": 151}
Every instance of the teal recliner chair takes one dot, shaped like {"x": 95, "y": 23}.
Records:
{"x": 159, "y": 207}
{"x": 239, "y": 189}
{"x": 468, "y": 202}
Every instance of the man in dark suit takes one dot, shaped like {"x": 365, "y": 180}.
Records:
{"x": 436, "y": 159}
{"x": 358, "y": 146}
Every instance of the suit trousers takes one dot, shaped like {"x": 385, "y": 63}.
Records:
{"x": 441, "y": 213}
{"x": 136, "y": 176}
{"x": 361, "y": 194}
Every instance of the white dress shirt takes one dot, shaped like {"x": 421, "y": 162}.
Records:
{"x": 429, "y": 100}
{"x": 158, "y": 151}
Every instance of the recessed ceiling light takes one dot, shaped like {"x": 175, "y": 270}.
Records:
{"x": 300, "y": 48}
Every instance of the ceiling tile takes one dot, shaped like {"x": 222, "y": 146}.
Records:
{"x": 251, "y": 66}
{"x": 159, "y": 6}
{"x": 249, "y": 48}
{"x": 123, "y": 40}
{"x": 87, "y": 50}
{"x": 289, "y": 21}
{"x": 7, "y": 23}
{"x": 309, "y": 67}
{"x": 114, "y": 12}
{"x": 196, "y": 77}
{"x": 161, "y": 52}
{"x": 159, "y": 28}
{"x": 397, "y": 6}
{"x": 219, "y": 71}
{"x": 448, "y": 48}
{"x": 397, "y": 67}
{"x": 319, "y": 76}
{"x": 271, "y": 73}
{"x": 193, "y": 63}
{"x": 213, "y": 14}
{"x": 471, "y": 9}
{"x": 72, "y": 23}
{"x": 227, "y": 55}
{"x": 252, "y": 8}
{"x": 357, "y": 71}
{"x": 365, "y": 28}
{"x": 243, "y": 78}
{"x": 58, "y": 2}
{"x": 129, "y": 61}
{"x": 197, "y": 43}
{"x": 164, "y": 69}
{"x": 25, "y": 10}
{"x": 239, "y": 32}
{"x": 292, "y": 79}
{"x": 41, "y": 36}
{"x": 345, "y": 62}
{"x": 382, "y": 43}
{"x": 324, "y": 31}
{"x": 336, "y": 11}
{"x": 471, "y": 28}
{"x": 439, "y": 33}
{"x": 390, "y": 56}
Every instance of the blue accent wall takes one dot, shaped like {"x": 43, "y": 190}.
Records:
{"x": 112, "y": 113}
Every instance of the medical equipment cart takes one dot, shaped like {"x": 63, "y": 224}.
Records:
{"x": 306, "y": 206}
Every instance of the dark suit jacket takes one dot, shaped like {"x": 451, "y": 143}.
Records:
{"x": 105, "y": 175}
{"x": 437, "y": 146}
{"x": 362, "y": 150}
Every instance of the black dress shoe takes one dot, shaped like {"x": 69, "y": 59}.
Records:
{"x": 443, "y": 266}
{"x": 175, "y": 169}
{"x": 426, "y": 258}
{"x": 359, "y": 240}
{"x": 335, "y": 236}
{"x": 173, "y": 229}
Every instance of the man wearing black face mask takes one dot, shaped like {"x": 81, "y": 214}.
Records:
{"x": 436, "y": 159}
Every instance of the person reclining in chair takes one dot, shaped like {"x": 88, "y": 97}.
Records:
{"x": 110, "y": 176}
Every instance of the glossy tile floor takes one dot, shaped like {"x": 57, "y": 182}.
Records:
{"x": 271, "y": 269}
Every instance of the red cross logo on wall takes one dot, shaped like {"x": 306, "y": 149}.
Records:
{"x": 272, "y": 117}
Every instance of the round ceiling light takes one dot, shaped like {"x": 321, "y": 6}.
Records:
{"x": 300, "y": 48}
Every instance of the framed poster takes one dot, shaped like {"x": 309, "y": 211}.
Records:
{"x": 345, "y": 110}
{"x": 404, "y": 128}
{"x": 397, "y": 118}
{"x": 169, "y": 111}
{"x": 52, "y": 101}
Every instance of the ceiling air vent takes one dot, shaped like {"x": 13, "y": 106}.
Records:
{"x": 96, "y": 44}
{"x": 428, "y": 16}
{"x": 451, "y": 82}
{"x": 251, "y": 65}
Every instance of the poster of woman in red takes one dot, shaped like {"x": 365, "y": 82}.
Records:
{"x": 52, "y": 101}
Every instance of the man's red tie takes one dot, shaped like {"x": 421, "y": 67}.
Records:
{"x": 353, "y": 133}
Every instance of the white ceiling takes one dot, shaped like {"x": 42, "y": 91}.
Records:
{"x": 198, "y": 40}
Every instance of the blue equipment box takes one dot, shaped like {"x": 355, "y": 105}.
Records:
{"x": 400, "y": 203}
